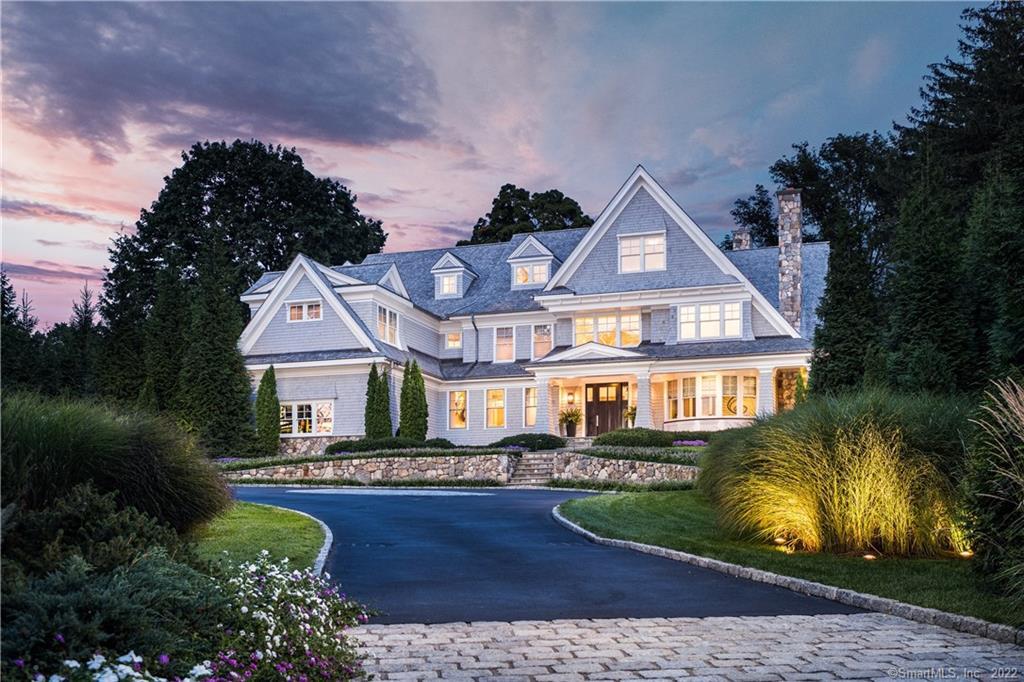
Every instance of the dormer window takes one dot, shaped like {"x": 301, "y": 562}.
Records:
{"x": 531, "y": 273}
{"x": 307, "y": 311}
{"x": 452, "y": 277}
{"x": 449, "y": 285}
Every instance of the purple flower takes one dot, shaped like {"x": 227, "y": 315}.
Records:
{"x": 226, "y": 460}
{"x": 689, "y": 443}
{"x": 59, "y": 638}
{"x": 163, "y": 659}
{"x": 19, "y": 663}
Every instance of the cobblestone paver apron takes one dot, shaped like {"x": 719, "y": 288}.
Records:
{"x": 861, "y": 646}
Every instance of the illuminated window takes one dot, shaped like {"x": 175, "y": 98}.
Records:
{"x": 530, "y": 406}
{"x": 672, "y": 396}
{"x": 730, "y": 387}
{"x": 457, "y": 409}
{"x": 749, "y": 396}
{"x": 304, "y": 312}
{"x": 449, "y": 285}
{"x": 307, "y": 417}
{"x": 710, "y": 322}
{"x": 495, "y": 408}
{"x": 504, "y": 344}
{"x": 689, "y": 385}
{"x": 535, "y": 273}
{"x": 584, "y": 330}
{"x": 286, "y": 418}
{"x": 733, "y": 326}
{"x": 541, "y": 340}
{"x": 687, "y": 322}
{"x": 606, "y": 330}
{"x": 642, "y": 253}
{"x": 708, "y": 395}
{"x": 304, "y": 418}
{"x": 325, "y": 417}
{"x": 387, "y": 325}
{"x": 630, "y": 329}
{"x": 453, "y": 340}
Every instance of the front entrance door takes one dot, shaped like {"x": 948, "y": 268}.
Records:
{"x": 605, "y": 405}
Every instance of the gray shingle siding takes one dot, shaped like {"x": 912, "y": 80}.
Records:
{"x": 686, "y": 264}
{"x": 760, "y": 325}
{"x": 563, "y": 331}
{"x": 524, "y": 339}
{"x": 476, "y": 433}
{"x": 417, "y": 336}
{"x": 282, "y": 336}
{"x": 348, "y": 392}
{"x": 486, "y": 344}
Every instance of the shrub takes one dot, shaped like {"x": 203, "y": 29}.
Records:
{"x": 392, "y": 443}
{"x": 52, "y": 445}
{"x": 995, "y": 487}
{"x": 857, "y": 472}
{"x": 153, "y": 606}
{"x": 86, "y": 524}
{"x": 413, "y": 411}
{"x": 653, "y": 438}
{"x": 531, "y": 441}
{"x": 640, "y": 454}
{"x": 440, "y": 443}
{"x": 268, "y": 415}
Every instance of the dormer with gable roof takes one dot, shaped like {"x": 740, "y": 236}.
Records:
{"x": 531, "y": 265}
{"x": 452, "y": 277}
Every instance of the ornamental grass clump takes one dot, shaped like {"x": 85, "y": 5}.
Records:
{"x": 838, "y": 475}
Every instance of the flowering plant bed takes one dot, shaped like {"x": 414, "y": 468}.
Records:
{"x": 673, "y": 455}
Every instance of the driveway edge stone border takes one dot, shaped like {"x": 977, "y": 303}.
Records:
{"x": 870, "y": 602}
{"x": 321, "y": 557}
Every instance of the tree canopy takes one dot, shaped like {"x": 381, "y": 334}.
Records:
{"x": 515, "y": 210}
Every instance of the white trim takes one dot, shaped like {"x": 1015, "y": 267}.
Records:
{"x": 317, "y": 363}
{"x": 504, "y": 407}
{"x": 299, "y": 266}
{"x": 313, "y": 403}
{"x": 449, "y": 261}
{"x": 533, "y": 338}
{"x": 535, "y": 407}
{"x": 398, "y": 326}
{"x": 530, "y": 240}
{"x": 395, "y": 278}
{"x": 618, "y": 313}
{"x": 445, "y": 335}
{"x": 640, "y": 178}
{"x": 494, "y": 344}
{"x": 697, "y": 321}
{"x": 305, "y": 303}
{"x": 531, "y": 283}
{"x": 439, "y": 284}
{"x": 448, "y": 408}
{"x": 591, "y": 348}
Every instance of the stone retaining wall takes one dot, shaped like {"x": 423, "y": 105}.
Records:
{"x": 571, "y": 465}
{"x": 305, "y": 446}
{"x": 366, "y": 469}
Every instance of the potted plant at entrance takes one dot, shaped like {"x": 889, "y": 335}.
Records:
{"x": 569, "y": 418}
{"x": 629, "y": 414}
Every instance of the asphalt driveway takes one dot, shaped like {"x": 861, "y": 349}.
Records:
{"x": 430, "y": 556}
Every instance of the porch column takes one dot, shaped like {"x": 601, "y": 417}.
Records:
{"x": 765, "y": 392}
{"x": 643, "y": 401}
{"x": 543, "y": 404}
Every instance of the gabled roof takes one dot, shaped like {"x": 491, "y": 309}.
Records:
{"x": 393, "y": 281}
{"x": 761, "y": 267}
{"x": 319, "y": 276}
{"x": 449, "y": 261}
{"x": 530, "y": 248}
{"x": 640, "y": 180}
{"x": 590, "y": 351}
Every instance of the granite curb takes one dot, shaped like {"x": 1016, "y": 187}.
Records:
{"x": 321, "y": 557}
{"x": 975, "y": 626}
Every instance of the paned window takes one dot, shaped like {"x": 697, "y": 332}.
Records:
{"x": 749, "y": 396}
{"x": 304, "y": 312}
{"x": 457, "y": 410}
{"x": 495, "y": 408}
{"x": 584, "y": 330}
{"x": 449, "y": 285}
{"x": 307, "y": 417}
{"x": 642, "y": 253}
{"x": 535, "y": 273}
{"x": 453, "y": 340}
{"x": 672, "y": 395}
{"x": 730, "y": 386}
{"x": 387, "y": 325}
{"x": 708, "y": 395}
{"x": 504, "y": 344}
{"x": 689, "y": 385}
{"x": 606, "y": 330}
{"x": 541, "y": 340}
{"x": 710, "y": 321}
{"x": 630, "y": 329}
{"x": 687, "y": 322}
{"x": 733, "y": 325}
{"x": 530, "y": 406}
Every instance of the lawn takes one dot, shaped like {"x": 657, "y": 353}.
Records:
{"x": 246, "y": 529}
{"x": 684, "y": 520}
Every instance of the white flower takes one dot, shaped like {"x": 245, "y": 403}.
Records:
{"x": 106, "y": 675}
{"x": 130, "y": 657}
{"x": 201, "y": 669}
{"x": 56, "y": 678}
{"x": 244, "y": 609}
{"x": 96, "y": 662}
{"x": 72, "y": 664}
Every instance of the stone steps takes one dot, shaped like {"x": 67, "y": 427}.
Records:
{"x": 533, "y": 469}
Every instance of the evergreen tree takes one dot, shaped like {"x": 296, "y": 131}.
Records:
{"x": 268, "y": 414}
{"x": 213, "y": 394}
{"x": 164, "y": 336}
{"x": 413, "y": 415}
{"x": 384, "y": 405}
{"x": 147, "y": 396}
{"x": 928, "y": 332}
{"x": 371, "y": 417}
{"x": 21, "y": 347}
{"x": 72, "y": 348}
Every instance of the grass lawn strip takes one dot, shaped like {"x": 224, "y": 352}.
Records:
{"x": 247, "y": 529}
{"x": 684, "y": 521}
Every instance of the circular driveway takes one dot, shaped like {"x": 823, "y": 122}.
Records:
{"x": 439, "y": 556}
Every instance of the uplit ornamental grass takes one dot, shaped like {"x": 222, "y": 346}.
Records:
{"x": 836, "y": 475}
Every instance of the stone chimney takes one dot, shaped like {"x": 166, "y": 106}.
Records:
{"x": 741, "y": 238}
{"x": 790, "y": 263}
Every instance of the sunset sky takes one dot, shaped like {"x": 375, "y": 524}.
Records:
{"x": 424, "y": 110}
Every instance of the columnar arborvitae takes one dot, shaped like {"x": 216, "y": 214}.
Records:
{"x": 164, "y": 341}
{"x": 268, "y": 414}
{"x": 384, "y": 405}
{"x": 213, "y": 396}
{"x": 413, "y": 415}
{"x": 371, "y": 418}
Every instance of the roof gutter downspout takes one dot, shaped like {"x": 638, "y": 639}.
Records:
{"x": 476, "y": 339}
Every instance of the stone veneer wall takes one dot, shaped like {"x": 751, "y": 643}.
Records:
{"x": 568, "y": 465}
{"x": 366, "y": 469}
{"x": 790, "y": 257}
{"x": 313, "y": 445}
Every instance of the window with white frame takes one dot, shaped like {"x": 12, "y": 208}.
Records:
{"x": 541, "y": 340}
{"x": 529, "y": 406}
{"x": 689, "y": 397}
{"x": 610, "y": 329}
{"x": 453, "y": 340}
{"x": 387, "y": 325}
{"x": 495, "y": 408}
{"x": 504, "y": 344}
{"x": 642, "y": 253}
{"x": 457, "y": 416}
{"x": 708, "y": 395}
{"x": 672, "y": 393}
{"x": 301, "y": 418}
{"x": 749, "y": 396}
{"x": 306, "y": 311}
{"x": 730, "y": 395}
{"x": 531, "y": 273}
{"x": 449, "y": 285}
{"x": 710, "y": 321}
{"x": 711, "y": 395}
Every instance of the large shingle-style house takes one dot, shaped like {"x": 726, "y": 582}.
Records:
{"x": 642, "y": 309}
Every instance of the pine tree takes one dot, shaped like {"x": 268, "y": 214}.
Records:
{"x": 371, "y": 419}
{"x": 413, "y": 415}
{"x": 384, "y": 405}
{"x": 268, "y": 415}
{"x": 164, "y": 338}
{"x": 213, "y": 396}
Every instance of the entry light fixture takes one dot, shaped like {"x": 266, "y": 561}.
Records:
{"x": 571, "y": 398}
